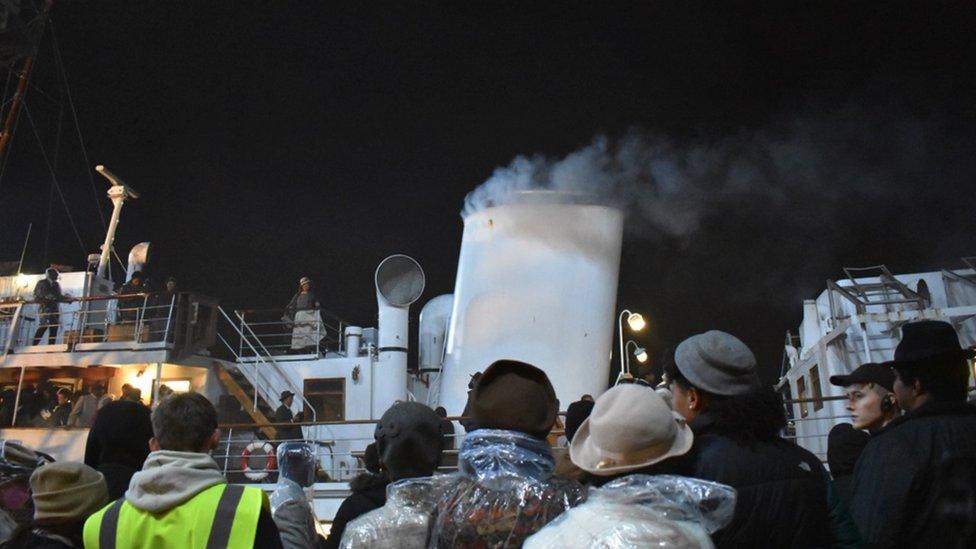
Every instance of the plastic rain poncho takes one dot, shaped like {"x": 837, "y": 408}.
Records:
{"x": 290, "y": 507}
{"x": 503, "y": 493}
{"x": 642, "y": 511}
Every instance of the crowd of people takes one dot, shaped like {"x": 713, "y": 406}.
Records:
{"x": 710, "y": 468}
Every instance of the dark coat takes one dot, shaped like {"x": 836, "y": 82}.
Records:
{"x": 368, "y": 493}
{"x": 782, "y": 489}
{"x": 49, "y": 294}
{"x": 35, "y": 536}
{"x": 284, "y": 415}
{"x": 897, "y": 479}
{"x": 576, "y": 414}
{"x": 128, "y": 306}
{"x": 118, "y": 443}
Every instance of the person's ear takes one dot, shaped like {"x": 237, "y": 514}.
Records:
{"x": 917, "y": 387}
{"x": 695, "y": 401}
{"x": 213, "y": 441}
{"x": 154, "y": 445}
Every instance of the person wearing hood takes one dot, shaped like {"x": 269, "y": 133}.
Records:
{"x": 65, "y": 494}
{"x": 505, "y": 490}
{"x": 290, "y": 507}
{"x": 409, "y": 444}
{"x": 180, "y": 498}
{"x": 47, "y": 292}
{"x": 784, "y": 493}
{"x": 118, "y": 443}
{"x": 844, "y": 445}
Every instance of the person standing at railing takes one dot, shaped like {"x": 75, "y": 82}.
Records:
{"x": 162, "y": 315}
{"x": 284, "y": 415}
{"x": 128, "y": 307}
{"x": 302, "y": 314}
{"x": 47, "y": 292}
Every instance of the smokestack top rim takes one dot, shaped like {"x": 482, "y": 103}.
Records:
{"x": 547, "y": 196}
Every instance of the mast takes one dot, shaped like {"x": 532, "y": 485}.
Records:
{"x": 22, "y": 79}
{"x": 119, "y": 192}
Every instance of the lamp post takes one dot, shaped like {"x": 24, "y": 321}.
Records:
{"x": 639, "y": 352}
{"x": 636, "y": 323}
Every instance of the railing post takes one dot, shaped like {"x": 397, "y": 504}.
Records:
{"x": 169, "y": 317}
{"x": 318, "y": 332}
{"x": 20, "y": 386}
{"x": 230, "y": 435}
{"x": 140, "y": 317}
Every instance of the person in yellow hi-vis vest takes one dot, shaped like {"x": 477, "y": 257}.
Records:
{"x": 180, "y": 499}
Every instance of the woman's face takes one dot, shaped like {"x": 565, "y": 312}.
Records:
{"x": 864, "y": 404}
{"x": 306, "y": 287}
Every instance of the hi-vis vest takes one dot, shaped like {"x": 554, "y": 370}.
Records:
{"x": 224, "y": 515}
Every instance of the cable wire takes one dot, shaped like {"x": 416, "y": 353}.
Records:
{"x": 54, "y": 179}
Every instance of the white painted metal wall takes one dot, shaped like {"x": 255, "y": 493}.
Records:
{"x": 536, "y": 281}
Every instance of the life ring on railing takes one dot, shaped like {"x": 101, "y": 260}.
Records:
{"x": 269, "y": 452}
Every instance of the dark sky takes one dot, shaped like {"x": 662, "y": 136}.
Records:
{"x": 274, "y": 140}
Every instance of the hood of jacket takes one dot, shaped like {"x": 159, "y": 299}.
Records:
{"x": 494, "y": 457}
{"x": 169, "y": 479}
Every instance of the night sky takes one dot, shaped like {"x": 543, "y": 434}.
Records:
{"x": 274, "y": 140}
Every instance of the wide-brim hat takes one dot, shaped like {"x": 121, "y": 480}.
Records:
{"x": 515, "y": 396}
{"x": 286, "y": 394}
{"x": 928, "y": 340}
{"x": 631, "y": 427}
{"x": 867, "y": 373}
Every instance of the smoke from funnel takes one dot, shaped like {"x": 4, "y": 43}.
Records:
{"x": 799, "y": 168}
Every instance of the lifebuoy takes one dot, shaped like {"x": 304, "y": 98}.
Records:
{"x": 269, "y": 452}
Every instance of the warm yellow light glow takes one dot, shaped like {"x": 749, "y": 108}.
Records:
{"x": 23, "y": 280}
{"x": 636, "y": 322}
{"x": 641, "y": 354}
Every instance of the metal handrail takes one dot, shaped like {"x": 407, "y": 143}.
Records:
{"x": 277, "y": 368}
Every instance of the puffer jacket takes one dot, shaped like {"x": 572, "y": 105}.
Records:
{"x": 782, "y": 489}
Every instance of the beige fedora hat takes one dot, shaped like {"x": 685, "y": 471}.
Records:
{"x": 631, "y": 427}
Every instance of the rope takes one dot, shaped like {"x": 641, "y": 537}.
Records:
{"x": 74, "y": 115}
{"x": 54, "y": 179}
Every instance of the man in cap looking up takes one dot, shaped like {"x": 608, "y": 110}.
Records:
{"x": 782, "y": 488}
{"x": 907, "y": 470}
{"x": 870, "y": 399}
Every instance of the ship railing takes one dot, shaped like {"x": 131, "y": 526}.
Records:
{"x": 242, "y": 450}
{"x": 253, "y": 370}
{"x": 816, "y": 440}
{"x": 290, "y": 333}
{"x": 141, "y": 318}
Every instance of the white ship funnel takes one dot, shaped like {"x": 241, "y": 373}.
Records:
{"x": 537, "y": 282}
{"x": 399, "y": 282}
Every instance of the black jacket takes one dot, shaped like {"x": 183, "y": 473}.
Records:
{"x": 368, "y": 493}
{"x": 576, "y": 414}
{"x": 782, "y": 489}
{"x": 49, "y": 294}
{"x": 898, "y": 481}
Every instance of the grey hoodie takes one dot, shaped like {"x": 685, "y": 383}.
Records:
{"x": 169, "y": 479}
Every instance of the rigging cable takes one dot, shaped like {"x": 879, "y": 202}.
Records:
{"x": 59, "y": 64}
{"x": 54, "y": 179}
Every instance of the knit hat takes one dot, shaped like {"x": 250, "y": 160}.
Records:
{"x": 630, "y": 428}
{"x": 515, "y": 396}
{"x": 409, "y": 440}
{"x": 67, "y": 492}
{"x": 717, "y": 363}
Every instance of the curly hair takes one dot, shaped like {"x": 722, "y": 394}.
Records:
{"x": 747, "y": 419}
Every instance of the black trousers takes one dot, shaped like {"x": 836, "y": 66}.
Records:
{"x": 51, "y": 324}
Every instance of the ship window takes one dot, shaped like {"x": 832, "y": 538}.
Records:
{"x": 328, "y": 397}
{"x": 815, "y": 387}
{"x": 801, "y": 394}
